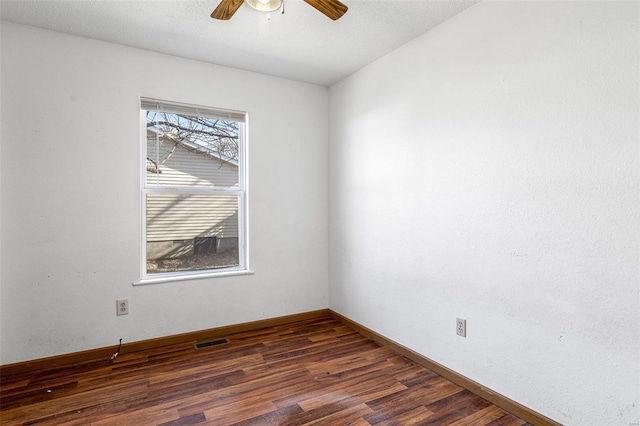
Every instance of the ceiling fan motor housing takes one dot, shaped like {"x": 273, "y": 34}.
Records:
{"x": 265, "y": 5}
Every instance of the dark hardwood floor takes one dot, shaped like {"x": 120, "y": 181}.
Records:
{"x": 316, "y": 372}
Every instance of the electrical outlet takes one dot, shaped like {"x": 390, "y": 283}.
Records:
{"x": 122, "y": 307}
{"x": 461, "y": 327}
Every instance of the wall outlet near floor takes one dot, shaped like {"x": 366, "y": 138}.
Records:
{"x": 122, "y": 307}
{"x": 461, "y": 327}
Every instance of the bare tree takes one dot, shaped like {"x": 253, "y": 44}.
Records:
{"x": 202, "y": 135}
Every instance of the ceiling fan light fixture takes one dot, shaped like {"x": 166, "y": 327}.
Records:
{"x": 265, "y": 5}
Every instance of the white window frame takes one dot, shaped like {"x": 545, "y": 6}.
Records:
{"x": 241, "y": 192}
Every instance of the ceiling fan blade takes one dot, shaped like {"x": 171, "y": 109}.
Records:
{"x": 332, "y": 8}
{"x": 226, "y": 9}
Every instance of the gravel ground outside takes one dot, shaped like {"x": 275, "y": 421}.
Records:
{"x": 194, "y": 262}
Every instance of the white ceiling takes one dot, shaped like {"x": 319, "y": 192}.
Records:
{"x": 301, "y": 45}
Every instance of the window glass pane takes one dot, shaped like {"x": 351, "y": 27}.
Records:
{"x": 184, "y": 150}
{"x": 191, "y": 232}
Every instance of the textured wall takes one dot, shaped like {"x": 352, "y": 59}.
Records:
{"x": 71, "y": 198}
{"x": 489, "y": 170}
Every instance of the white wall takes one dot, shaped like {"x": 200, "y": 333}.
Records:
{"x": 489, "y": 170}
{"x": 71, "y": 204}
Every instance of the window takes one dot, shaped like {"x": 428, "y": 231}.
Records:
{"x": 193, "y": 191}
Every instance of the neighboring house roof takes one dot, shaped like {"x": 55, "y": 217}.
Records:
{"x": 191, "y": 146}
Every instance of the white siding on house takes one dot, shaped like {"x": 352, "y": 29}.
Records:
{"x": 185, "y": 217}
{"x": 187, "y": 167}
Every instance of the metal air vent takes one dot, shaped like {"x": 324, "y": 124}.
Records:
{"x": 211, "y": 343}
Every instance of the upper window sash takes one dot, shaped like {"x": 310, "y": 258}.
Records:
{"x": 224, "y": 143}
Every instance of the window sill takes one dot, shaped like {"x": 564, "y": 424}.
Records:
{"x": 193, "y": 276}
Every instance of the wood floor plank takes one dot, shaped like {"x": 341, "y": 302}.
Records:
{"x": 274, "y": 418}
{"x": 481, "y": 418}
{"x": 366, "y": 388}
{"x": 342, "y": 417}
{"x": 417, "y": 416}
{"x": 55, "y": 407}
{"x": 351, "y": 362}
{"x": 507, "y": 420}
{"x": 316, "y": 372}
{"x": 401, "y": 402}
{"x": 238, "y": 410}
{"x": 194, "y": 419}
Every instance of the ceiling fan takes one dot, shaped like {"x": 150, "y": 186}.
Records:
{"x": 225, "y": 10}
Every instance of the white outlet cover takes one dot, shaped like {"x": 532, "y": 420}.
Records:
{"x": 461, "y": 327}
{"x": 122, "y": 307}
